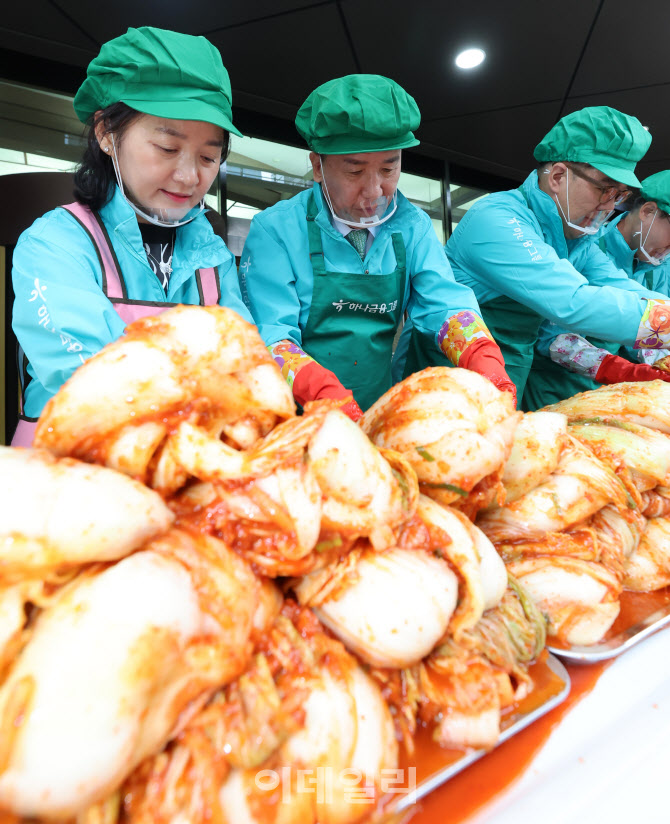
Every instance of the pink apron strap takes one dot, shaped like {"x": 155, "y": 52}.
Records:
{"x": 113, "y": 287}
{"x": 210, "y": 293}
{"x": 25, "y": 432}
{"x": 128, "y": 312}
{"x": 112, "y": 283}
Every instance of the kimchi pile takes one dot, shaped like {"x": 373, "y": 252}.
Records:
{"x": 215, "y": 610}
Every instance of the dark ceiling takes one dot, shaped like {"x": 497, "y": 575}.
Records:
{"x": 544, "y": 59}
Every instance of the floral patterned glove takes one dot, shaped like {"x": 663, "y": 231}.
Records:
{"x": 654, "y": 331}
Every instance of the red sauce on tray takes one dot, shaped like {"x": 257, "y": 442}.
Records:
{"x": 480, "y": 783}
{"x": 636, "y": 606}
{"x": 469, "y": 791}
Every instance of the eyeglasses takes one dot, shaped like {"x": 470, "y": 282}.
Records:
{"x": 607, "y": 190}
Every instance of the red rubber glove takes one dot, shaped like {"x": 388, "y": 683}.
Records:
{"x": 352, "y": 410}
{"x": 484, "y": 356}
{"x": 314, "y": 382}
{"x": 614, "y": 369}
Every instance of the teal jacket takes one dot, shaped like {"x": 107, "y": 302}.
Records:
{"x": 276, "y": 274}
{"x": 653, "y": 278}
{"x": 512, "y": 245}
{"x": 61, "y": 315}
{"x": 612, "y": 242}
{"x": 656, "y": 278}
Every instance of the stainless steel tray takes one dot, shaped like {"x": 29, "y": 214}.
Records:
{"x": 617, "y": 643}
{"x": 441, "y": 776}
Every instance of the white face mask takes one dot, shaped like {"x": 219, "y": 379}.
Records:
{"x": 594, "y": 224}
{"x": 655, "y": 261}
{"x": 171, "y": 218}
{"x": 378, "y": 207}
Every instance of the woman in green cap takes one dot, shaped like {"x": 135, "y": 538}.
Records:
{"x": 137, "y": 239}
{"x": 329, "y": 273}
{"x": 527, "y": 253}
{"x": 637, "y": 242}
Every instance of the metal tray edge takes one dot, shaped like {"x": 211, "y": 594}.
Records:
{"x": 437, "y": 779}
{"x": 616, "y": 645}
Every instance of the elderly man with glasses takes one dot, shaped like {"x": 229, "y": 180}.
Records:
{"x": 637, "y": 241}
{"x": 527, "y": 253}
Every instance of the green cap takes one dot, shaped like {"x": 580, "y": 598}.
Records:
{"x": 657, "y": 188}
{"x": 358, "y": 113}
{"x": 608, "y": 140}
{"x": 159, "y": 72}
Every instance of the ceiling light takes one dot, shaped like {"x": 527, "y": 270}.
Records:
{"x": 470, "y": 58}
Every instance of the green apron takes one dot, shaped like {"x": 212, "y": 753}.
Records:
{"x": 648, "y": 279}
{"x": 422, "y": 352}
{"x": 550, "y": 382}
{"x": 514, "y": 328}
{"x": 353, "y": 319}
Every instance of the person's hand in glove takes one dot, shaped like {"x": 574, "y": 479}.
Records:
{"x": 663, "y": 364}
{"x": 484, "y": 356}
{"x": 614, "y": 369}
{"x": 314, "y": 382}
{"x": 352, "y": 410}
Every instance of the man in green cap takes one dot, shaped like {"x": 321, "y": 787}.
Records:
{"x": 527, "y": 253}
{"x": 638, "y": 243}
{"x": 137, "y": 238}
{"x": 329, "y": 273}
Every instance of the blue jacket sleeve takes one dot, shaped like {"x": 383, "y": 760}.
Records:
{"x": 268, "y": 285}
{"x": 660, "y": 277}
{"x": 599, "y": 270}
{"x": 434, "y": 294}
{"x": 506, "y": 250}
{"x": 61, "y": 316}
